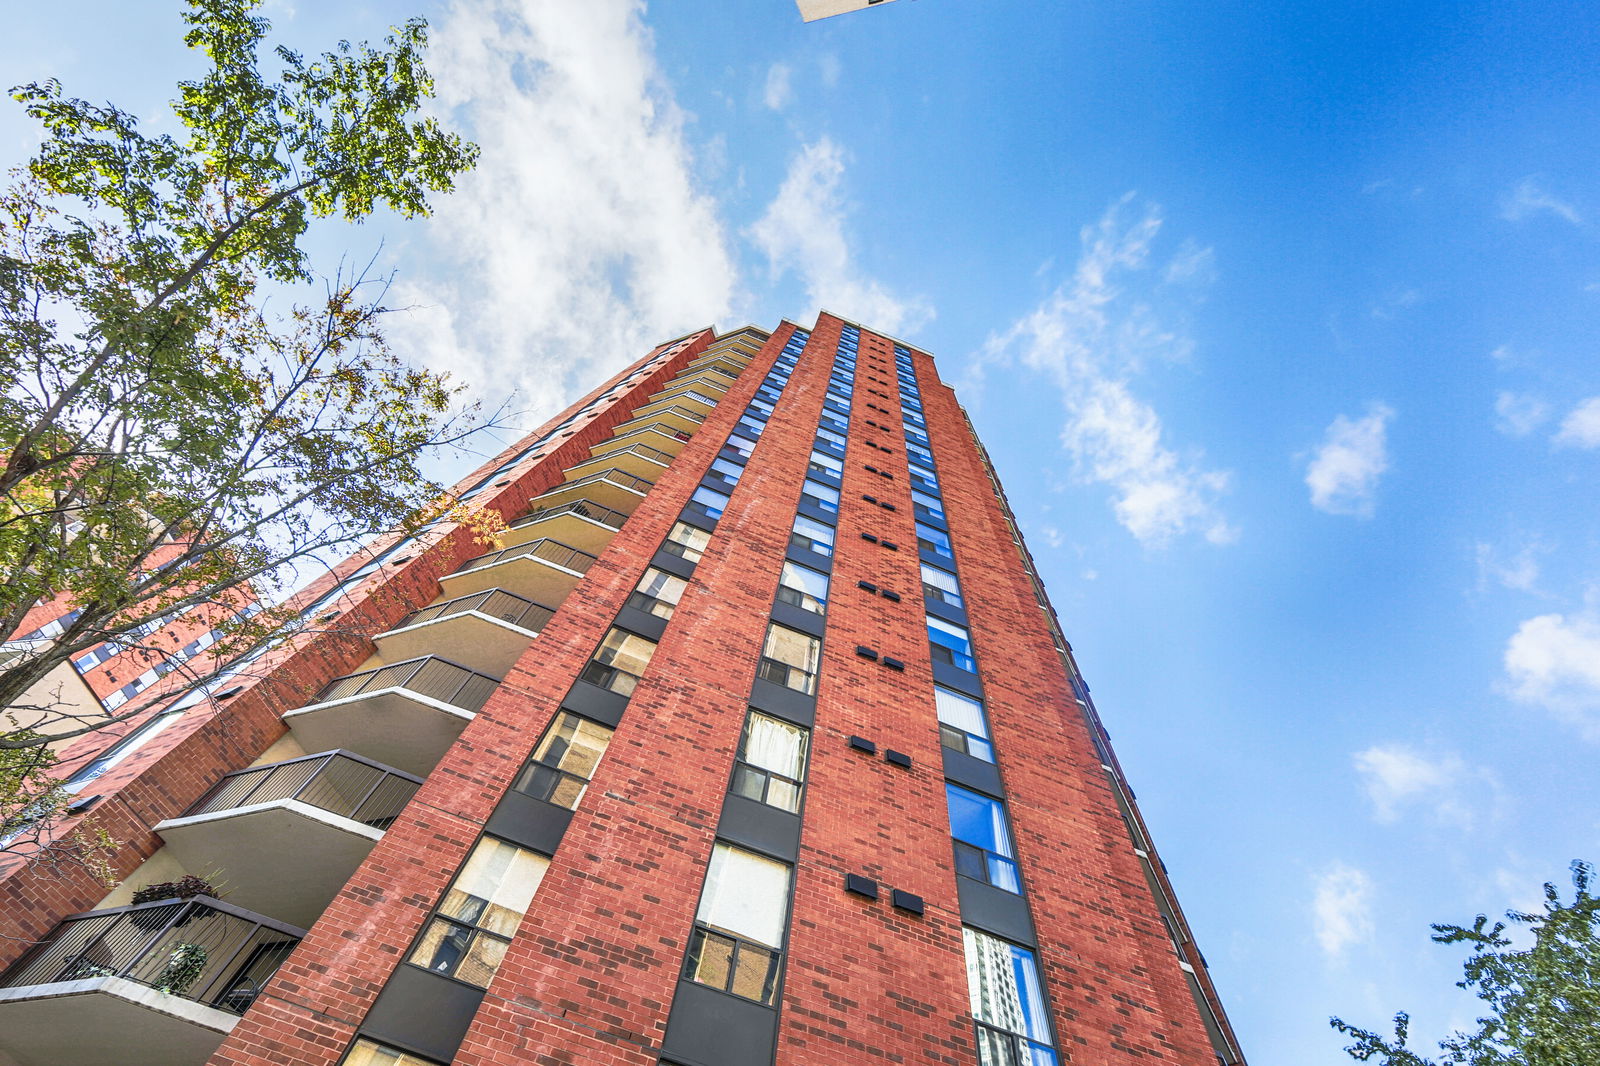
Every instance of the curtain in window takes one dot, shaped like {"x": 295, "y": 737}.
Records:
{"x": 776, "y": 746}
{"x": 960, "y": 712}
{"x": 746, "y": 894}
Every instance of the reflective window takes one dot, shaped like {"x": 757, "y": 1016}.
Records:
{"x": 819, "y": 495}
{"x": 687, "y": 542}
{"x": 927, "y": 504}
{"x": 933, "y": 540}
{"x": 1007, "y": 1002}
{"x": 658, "y": 593}
{"x": 708, "y": 502}
{"x": 812, "y": 535}
{"x": 822, "y": 463}
{"x": 983, "y": 839}
{"x": 951, "y": 643}
{"x": 962, "y": 725}
{"x": 772, "y": 762}
{"x": 622, "y": 657}
{"x": 366, "y": 1053}
{"x": 730, "y": 470}
{"x": 739, "y": 926}
{"x": 831, "y": 437}
{"x": 803, "y": 587}
{"x": 790, "y": 658}
{"x": 469, "y": 932}
{"x": 564, "y": 760}
{"x": 742, "y": 444}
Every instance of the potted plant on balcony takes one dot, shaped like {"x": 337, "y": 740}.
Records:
{"x": 184, "y": 966}
{"x": 184, "y": 888}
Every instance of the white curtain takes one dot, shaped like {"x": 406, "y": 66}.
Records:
{"x": 746, "y": 894}
{"x": 776, "y": 746}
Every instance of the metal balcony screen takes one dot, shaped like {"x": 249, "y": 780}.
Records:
{"x": 496, "y": 603}
{"x": 428, "y": 676}
{"x": 342, "y": 784}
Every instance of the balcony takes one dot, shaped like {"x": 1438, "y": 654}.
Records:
{"x": 543, "y": 570}
{"x": 487, "y": 631}
{"x": 405, "y": 715}
{"x": 675, "y": 417}
{"x": 733, "y": 360}
{"x": 710, "y": 380}
{"x": 288, "y": 835}
{"x": 698, "y": 402}
{"x": 581, "y": 524}
{"x": 655, "y": 434}
{"x": 160, "y": 982}
{"x": 614, "y": 488}
{"x": 640, "y": 460}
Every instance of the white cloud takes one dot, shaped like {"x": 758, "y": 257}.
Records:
{"x": 1581, "y": 427}
{"x": 1531, "y": 198}
{"x": 582, "y": 238}
{"x": 1553, "y": 661}
{"x": 1396, "y": 776}
{"x": 829, "y": 68}
{"x": 1396, "y": 300}
{"x": 1516, "y": 414}
{"x": 1191, "y": 265}
{"x": 1091, "y": 337}
{"x": 803, "y": 231}
{"x": 1519, "y": 573}
{"x": 1341, "y": 908}
{"x": 1343, "y": 475}
{"x": 779, "y": 92}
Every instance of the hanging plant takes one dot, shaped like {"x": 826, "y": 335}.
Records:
{"x": 184, "y": 966}
{"x": 183, "y": 888}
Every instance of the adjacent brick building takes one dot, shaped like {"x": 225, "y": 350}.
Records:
{"x": 754, "y": 741}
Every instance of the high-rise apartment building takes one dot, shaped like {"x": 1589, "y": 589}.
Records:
{"x": 753, "y": 741}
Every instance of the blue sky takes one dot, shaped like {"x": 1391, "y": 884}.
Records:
{"x": 1280, "y": 321}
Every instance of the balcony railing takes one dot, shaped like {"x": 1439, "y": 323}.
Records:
{"x": 335, "y": 781}
{"x": 617, "y": 477}
{"x": 496, "y": 603}
{"x": 643, "y": 451}
{"x": 662, "y": 428}
{"x": 544, "y": 549}
{"x": 582, "y": 508}
{"x": 428, "y": 676}
{"x": 199, "y": 949}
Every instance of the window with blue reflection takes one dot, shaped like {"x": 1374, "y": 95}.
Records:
{"x": 933, "y": 540}
{"x": 708, "y": 502}
{"x": 952, "y": 644}
{"x": 1007, "y": 999}
{"x": 819, "y": 495}
{"x": 983, "y": 838}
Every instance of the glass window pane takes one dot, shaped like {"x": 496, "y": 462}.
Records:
{"x": 626, "y": 651}
{"x": 942, "y": 580}
{"x": 962, "y": 712}
{"x": 821, "y": 495}
{"x": 812, "y": 585}
{"x": 495, "y": 886}
{"x": 827, "y": 462}
{"x": 366, "y": 1053}
{"x": 712, "y": 503}
{"x": 660, "y": 585}
{"x": 793, "y": 648}
{"x": 978, "y": 820}
{"x": 746, "y": 894}
{"x": 730, "y": 470}
{"x": 817, "y": 531}
{"x": 482, "y": 960}
{"x": 774, "y": 745}
{"x": 1003, "y": 986}
{"x": 442, "y": 946}
{"x": 937, "y": 538}
{"x": 573, "y": 744}
{"x": 690, "y": 541}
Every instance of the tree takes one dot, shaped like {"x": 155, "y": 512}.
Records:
{"x": 1544, "y": 1000}
{"x": 172, "y": 443}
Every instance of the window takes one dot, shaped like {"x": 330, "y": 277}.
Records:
{"x": 750, "y": 427}
{"x": 962, "y": 726}
{"x": 789, "y": 658}
{"x": 1007, "y": 1002}
{"x": 983, "y": 840}
{"x": 564, "y": 760}
{"x": 658, "y": 593}
{"x": 812, "y": 536}
{"x": 761, "y": 406}
{"x": 742, "y": 444}
{"x": 803, "y": 587}
{"x": 934, "y": 540}
{"x": 686, "y": 542}
{"x": 468, "y": 935}
{"x": 836, "y": 439}
{"x": 730, "y": 470}
{"x": 739, "y": 927}
{"x": 772, "y": 762}
{"x": 940, "y": 585}
{"x": 708, "y": 502}
{"x": 622, "y": 657}
{"x": 918, "y": 453}
{"x": 927, "y": 505}
{"x": 819, "y": 495}
{"x": 827, "y": 465}
{"x": 366, "y": 1053}
{"x": 951, "y": 644}
{"x": 921, "y": 482}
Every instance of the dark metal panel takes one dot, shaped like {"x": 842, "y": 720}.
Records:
{"x": 784, "y": 702}
{"x": 973, "y": 773}
{"x": 712, "y": 1028}
{"x": 811, "y": 510}
{"x": 592, "y": 701}
{"x": 423, "y": 1012}
{"x": 717, "y": 483}
{"x": 699, "y": 521}
{"x": 798, "y": 618}
{"x": 940, "y": 609}
{"x": 673, "y": 564}
{"x": 951, "y": 676}
{"x": 761, "y": 827}
{"x": 642, "y": 622}
{"x": 1005, "y": 914}
{"x": 943, "y": 562}
{"x": 533, "y": 823}
{"x": 809, "y": 558}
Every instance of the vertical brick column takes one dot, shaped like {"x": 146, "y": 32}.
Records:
{"x": 867, "y": 982}
{"x": 1109, "y": 968}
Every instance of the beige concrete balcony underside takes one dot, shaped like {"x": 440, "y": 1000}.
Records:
{"x": 107, "y": 1021}
{"x": 393, "y": 726}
